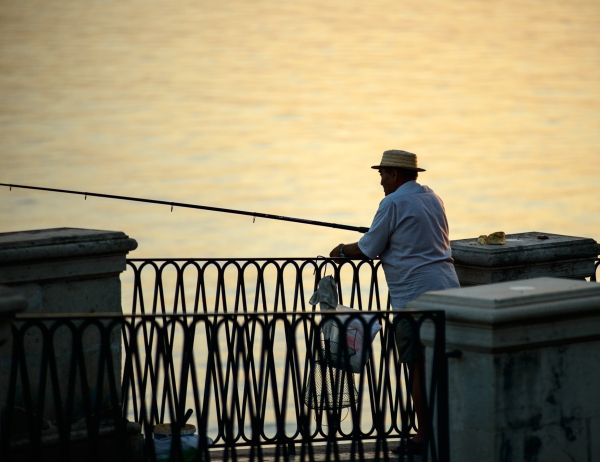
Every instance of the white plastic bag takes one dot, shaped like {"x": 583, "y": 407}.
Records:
{"x": 354, "y": 333}
{"x": 356, "y": 340}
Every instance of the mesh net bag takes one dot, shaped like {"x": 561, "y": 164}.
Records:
{"x": 330, "y": 382}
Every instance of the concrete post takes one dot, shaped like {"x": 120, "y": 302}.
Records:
{"x": 11, "y": 303}
{"x": 526, "y": 386}
{"x": 58, "y": 271}
{"x": 524, "y": 256}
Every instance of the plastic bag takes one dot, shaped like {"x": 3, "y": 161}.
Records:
{"x": 326, "y": 297}
{"x": 354, "y": 333}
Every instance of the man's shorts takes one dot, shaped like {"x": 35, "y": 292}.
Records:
{"x": 405, "y": 340}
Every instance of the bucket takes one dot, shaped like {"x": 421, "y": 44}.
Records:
{"x": 163, "y": 440}
{"x": 162, "y": 431}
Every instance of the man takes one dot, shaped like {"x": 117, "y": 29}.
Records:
{"x": 410, "y": 235}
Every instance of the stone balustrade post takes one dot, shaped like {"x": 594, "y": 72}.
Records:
{"x": 64, "y": 271}
{"x": 524, "y": 256}
{"x": 526, "y": 384}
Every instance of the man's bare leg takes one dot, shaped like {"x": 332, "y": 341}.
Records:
{"x": 417, "y": 399}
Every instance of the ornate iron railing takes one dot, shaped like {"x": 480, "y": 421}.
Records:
{"x": 250, "y": 380}
{"x": 248, "y": 285}
{"x": 235, "y": 342}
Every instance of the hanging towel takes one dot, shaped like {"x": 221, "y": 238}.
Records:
{"x": 326, "y": 294}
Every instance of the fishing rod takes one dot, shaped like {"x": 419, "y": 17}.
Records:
{"x": 359, "y": 229}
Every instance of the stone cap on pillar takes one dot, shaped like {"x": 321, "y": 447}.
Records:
{"x": 524, "y": 248}
{"x": 34, "y": 255}
{"x": 517, "y": 314}
{"x": 524, "y": 256}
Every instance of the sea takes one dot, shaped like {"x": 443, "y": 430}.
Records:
{"x": 282, "y": 106}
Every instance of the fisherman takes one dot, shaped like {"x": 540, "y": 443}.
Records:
{"x": 410, "y": 235}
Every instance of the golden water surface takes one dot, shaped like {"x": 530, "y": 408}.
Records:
{"x": 281, "y": 107}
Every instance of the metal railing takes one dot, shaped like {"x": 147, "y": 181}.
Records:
{"x": 250, "y": 380}
{"x": 235, "y": 342}
{"x": 248, "y": 285}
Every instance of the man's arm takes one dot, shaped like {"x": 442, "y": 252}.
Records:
{"x": 350, "y": 250}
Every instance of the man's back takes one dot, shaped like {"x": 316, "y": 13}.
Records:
{"x": 410, "y": 235}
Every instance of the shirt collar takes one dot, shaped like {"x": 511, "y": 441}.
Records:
{"x": 410, "y": 187}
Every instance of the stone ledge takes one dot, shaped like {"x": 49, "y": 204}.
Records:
{"x": 513, "y": 300}
{"x": 62, "y": 254}
{"x": 525, "y": 314}
{"x": 524, "y": 248}
{"x": 61, "y": 243}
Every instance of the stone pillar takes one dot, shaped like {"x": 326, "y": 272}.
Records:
{"x": 524, "y": 256}
{"x": 11, "y": 303}
{"x": 58, "y": 271}
{"x": 526, "y": 385}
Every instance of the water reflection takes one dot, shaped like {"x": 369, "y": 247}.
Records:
{"x": 280, "y": 107}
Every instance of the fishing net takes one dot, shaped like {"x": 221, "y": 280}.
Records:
{"x": 330, "y": 383}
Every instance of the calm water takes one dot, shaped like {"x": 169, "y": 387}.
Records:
{"x": 281, "y": 107}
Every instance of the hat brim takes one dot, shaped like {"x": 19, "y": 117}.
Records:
{"x": 416, "y": 169}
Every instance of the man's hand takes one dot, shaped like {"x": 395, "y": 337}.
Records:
{"x": 336, "y": 252}
{"x": 350, "y": 250}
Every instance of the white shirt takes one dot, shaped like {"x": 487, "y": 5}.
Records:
{"x": 410, "y": 235}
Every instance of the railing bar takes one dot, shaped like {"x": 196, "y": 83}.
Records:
{"x": 163, "y": 338}
{"x": 169, "y": 340}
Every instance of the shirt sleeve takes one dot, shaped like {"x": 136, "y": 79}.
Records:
{"x": 374, "y": 242}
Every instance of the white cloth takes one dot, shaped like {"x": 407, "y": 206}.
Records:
{"x": 326, "y": 294}
{"x": 410, "y": 235}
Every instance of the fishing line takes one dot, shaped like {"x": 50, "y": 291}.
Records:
{"x": 359, "y": 229}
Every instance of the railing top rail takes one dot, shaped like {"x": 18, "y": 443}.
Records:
{"x": 318, "y": 258}
{"x": 281, "y": 314}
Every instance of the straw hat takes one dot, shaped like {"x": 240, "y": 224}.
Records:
{"x": 395, "y": 158}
